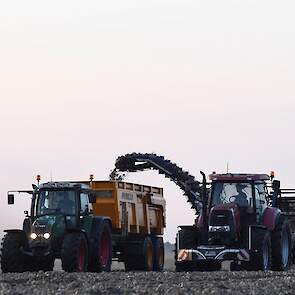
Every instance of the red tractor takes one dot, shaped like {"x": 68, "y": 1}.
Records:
{"x": 246, "y": 219}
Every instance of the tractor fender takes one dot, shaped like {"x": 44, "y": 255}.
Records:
{"x": 270, "y": 217}
{"x": 19, "y": 231}
{"x": 14, "y": 231}
{"x": 78, "y": 230}
{"x": 96, "y": 222}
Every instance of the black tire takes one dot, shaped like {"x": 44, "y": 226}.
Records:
{"x": 281, "y": 245}
{"x": 260, "y": 256}
{"x": 101, "y": 249}
{"x": 144, "y": 260}
{"x": 12, "y": 259}
{"x": 74, "y": 253}
{"x": 186, "y": 239}
{"x": 159, "y": 253}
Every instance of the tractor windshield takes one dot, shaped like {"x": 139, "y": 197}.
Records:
{"x": 56, "y": 201}
{"x": 239, "y": 193}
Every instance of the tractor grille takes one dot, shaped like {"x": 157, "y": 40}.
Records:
{"x": 221, "y": 218}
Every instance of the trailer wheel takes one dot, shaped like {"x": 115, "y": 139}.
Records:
{"x": 74, "y": 253}
{"x": 281, "y": 245}
{"x": 143, "y": 261}
{"x": 261, "y": 258}
{"x": 159, "y": 253}
{"x": 101, "y": 257}
{"x": 12, "y": 259}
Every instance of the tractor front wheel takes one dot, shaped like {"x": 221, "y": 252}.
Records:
{"x": 261, "y": 257}
{"x": 74, "y": 253}
{"x": 12, "y": 259}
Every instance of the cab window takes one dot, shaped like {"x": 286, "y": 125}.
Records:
{"x": 85, "y": 205}
{"x": 226, "y": 192}
{"x": 260, "y": 198}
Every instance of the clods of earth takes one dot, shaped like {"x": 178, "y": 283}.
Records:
{"x": 120, "y": 282}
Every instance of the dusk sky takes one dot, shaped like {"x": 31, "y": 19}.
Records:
{"x": 201, "y": 82}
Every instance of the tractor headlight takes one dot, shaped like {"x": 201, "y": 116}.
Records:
{"x": 33, "y": 236}
{"x": 46, "y": 236}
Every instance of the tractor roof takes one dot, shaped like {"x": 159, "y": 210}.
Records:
{"x": 238, "y": 177}
{"x": 63, "y": 185}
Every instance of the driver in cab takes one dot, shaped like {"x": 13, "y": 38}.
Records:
{"x": 241, "y": 198}
{"x": 65, "y": 204}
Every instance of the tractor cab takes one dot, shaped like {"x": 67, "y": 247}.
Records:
{"x": 236, "y": 201}
{"x": 61, "y": 198}
{"x": 56, "y": 208}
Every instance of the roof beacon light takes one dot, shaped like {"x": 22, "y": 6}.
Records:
{"x": 38, "y": 178}
{"x": 272, "y": 175}
{"x": 91, "y": 177}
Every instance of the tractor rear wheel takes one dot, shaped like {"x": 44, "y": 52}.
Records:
{"x": 159, "y": 253}
{"x": 101, "y": 257}
{"x": 261, "y": 257}
{"x": 12, "y": 259}
{"x": 142, "y": 261}
{"x": 281, "y": 245}
{"x": 74, "y": 253}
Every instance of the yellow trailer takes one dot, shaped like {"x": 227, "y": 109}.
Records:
{"x": 137, "y": 214}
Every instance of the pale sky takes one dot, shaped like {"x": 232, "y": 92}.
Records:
{"x": 200, "y": 82}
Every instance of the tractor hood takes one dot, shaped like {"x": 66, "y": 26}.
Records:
{"x": 52, "y": 224}
{"x": 220, "y": 214}
{"x": 224, "y": 224}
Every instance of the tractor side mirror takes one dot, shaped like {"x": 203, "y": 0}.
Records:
{"x": 92, "y": 198}
{"x": 276, "y": 184}
{"x": 10, "y": 199}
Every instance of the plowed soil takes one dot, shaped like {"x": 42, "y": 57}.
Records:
{"x": 120, "y": 282}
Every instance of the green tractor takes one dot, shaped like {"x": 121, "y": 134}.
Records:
{"x": 61, "y": 225}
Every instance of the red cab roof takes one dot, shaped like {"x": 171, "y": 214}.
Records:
{"x": 238, "y": 177}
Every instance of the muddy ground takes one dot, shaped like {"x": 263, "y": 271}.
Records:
{"x": 168, "y": 282}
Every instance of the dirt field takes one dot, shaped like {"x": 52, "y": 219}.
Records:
{"x": 119, "y": 282}
{"x": 167, "y": 282}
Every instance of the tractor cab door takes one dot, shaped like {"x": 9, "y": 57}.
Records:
{"x": 85, "y": 210}
{"x": 260, "y": 200}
